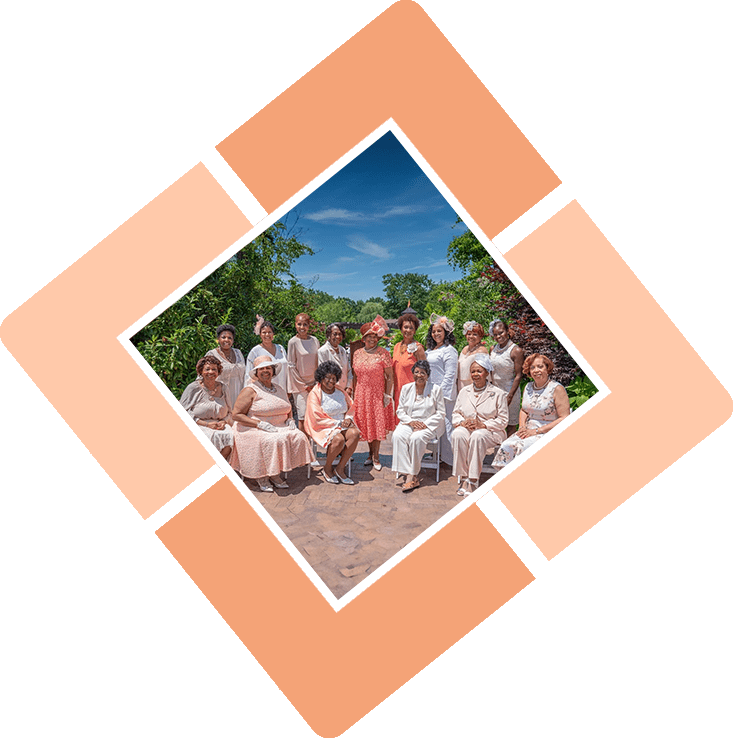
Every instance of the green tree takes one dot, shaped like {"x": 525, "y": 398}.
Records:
{"x": 370, "y": 309}
{"x": 401, "y": 288}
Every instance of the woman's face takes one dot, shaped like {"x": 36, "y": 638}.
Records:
{"x": 421, "y": 376}
{"x": 371, "y": 340}
{"x": 328, "y": 383}
{"x": 336, "y": 337}
{"x": 438, "y": 334}
{"x": 302, "y": 326}
{"x": 538, "y": 372}
{"x": 267, "y": 334}
{"x": 473, "y": 339}
{"x": 225, "y": 340}
{"x": 408, "y": 331}
{"x": 478, "y": 374}
{"x": 501, "y": 336}
{"x": 209, "y": 372}
{"x": 264, "y": 374}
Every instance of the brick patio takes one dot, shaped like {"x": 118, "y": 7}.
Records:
{"x": 346, "y": 532}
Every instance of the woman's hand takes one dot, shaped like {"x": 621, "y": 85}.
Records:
{"x": 292, "y": 424}
{"x": 387, "y": 399}
{"x": 525, "y": 432}
{"x": 478, "y": 425}
{"x": 417, "y": 425}
{"x": 347, "y": 422}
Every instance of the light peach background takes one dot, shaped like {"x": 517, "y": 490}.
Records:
{"x": 96, "y": 299}
{"x": 348, "y": 662}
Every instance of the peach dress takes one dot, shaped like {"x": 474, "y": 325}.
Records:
{"x": 259, "y": 453}
{"x": 371, "y": 416}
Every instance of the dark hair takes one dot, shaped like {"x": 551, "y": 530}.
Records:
{"x": 330, "y": 328}
{"x": 328, "y": 367}
{"x": 226, "y": 327}
{"x": 267, "y": 324}
{"x": 408, "y": 319}
{"x": 421, "y": 364}
{"x": 208, "y": 359}
{"x": 449, "y": 339}
{"x": 531, "y": 360}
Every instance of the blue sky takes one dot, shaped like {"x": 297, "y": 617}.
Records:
{"x": 379, "y": 215}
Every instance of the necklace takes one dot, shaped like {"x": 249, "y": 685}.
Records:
{"x": 499, "y": 350}
{"x": 227, "y": 355}
{"x": 479, "y": 390}
{"x": 371, "y": 351}
{"x": 271, "y": 390}
{"x": 212, "y": 392}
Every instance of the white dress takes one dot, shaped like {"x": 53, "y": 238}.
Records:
{"x": 443, "y": 370}
{"x": 504, "y": 376}
{"x": 281, "y": 378}
{"x": 340, "y": 358}
{"x": 540, "y": 408}
{"x": 408, "y": 445}
{"x": 232, "y": 374}
{"x": 464, "y": 370}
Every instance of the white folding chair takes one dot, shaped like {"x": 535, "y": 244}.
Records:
{"x": 433, "y": 448}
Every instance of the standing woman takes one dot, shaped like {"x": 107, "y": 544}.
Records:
{"x": 406, "y": 352}
{"x": 474, "y": 333}
{"x": 373, "y": 379}
{"x": 273, "y": 351}
{"x": 333, "y": 351}
{"x": 507, "y": 359}
{"x": 302, "y": 360}
{"x": 233, "y": 366}
{"x": 443, "y": 360}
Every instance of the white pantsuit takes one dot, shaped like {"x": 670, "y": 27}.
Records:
{"x": 443, "y": 370}
{"x": 470, "y": 447}
{"x": 408, "y": 445}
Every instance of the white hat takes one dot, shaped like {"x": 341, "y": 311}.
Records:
{"x": 261, "y": 361}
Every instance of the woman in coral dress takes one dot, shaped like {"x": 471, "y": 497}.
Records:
{"x": 404, "y": 355}
{"x": 373, "y": 379}
{"x": 266, "y": 438}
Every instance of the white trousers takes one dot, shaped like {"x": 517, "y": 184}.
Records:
{"x": 470, "y": 449}
{"x": 408, "y": 448}
{"x": 446, "y": 449}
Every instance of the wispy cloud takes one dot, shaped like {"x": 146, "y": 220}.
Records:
{"x": 365, "y": 246}
{"x": 342, "y": 216}
{"x": 346, "y": 258}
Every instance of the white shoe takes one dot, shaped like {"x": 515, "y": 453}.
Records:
{"x": 279, "y": 483}
{"x": 344, "y": 480}
{"x": 264, "y": 485}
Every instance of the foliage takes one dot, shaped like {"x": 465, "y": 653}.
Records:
{"x": 370, "y": 310}
{"x": 580, "y": 390}
{"x": 256, "y": 280}
{"x": 403, "y": 288}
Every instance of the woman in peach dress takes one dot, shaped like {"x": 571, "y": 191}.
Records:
{"x": 266, "y": 438}
{"x": 404, "y": 355}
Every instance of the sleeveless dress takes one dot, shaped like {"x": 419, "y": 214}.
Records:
{"x": 258, "y": 453}
{"x": 504, "y": 376}
{"x": 370, "y": 415}
{"x": 232, "y": 373}
{"x": 402, "y": 363}
{"x": 540, "y": 408}
{"x": 464, "y": 370}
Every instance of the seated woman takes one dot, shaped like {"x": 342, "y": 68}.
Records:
{"x": 206, "y": 400}
{"x": 266, "y": 438}
{"x": 329, "y": 421}
{"x": 544, "y": 404}
{"x": 479, "y": 420}
{"x": 266, "y": 331}
{"x": 233, "y": 367}
{"x": 421, "y": 412}
{"x": 333, "y": 351}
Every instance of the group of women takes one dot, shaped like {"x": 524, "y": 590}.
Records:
{"x": 469, "y": 403}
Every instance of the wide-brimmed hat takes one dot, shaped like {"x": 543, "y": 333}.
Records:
{"x": 261, "y": 361}
{"x": 378, "y": 326}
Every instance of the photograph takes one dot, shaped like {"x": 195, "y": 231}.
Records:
{"x": 364, "y": 364}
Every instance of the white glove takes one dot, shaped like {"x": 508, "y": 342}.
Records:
{"x": 387, "y": 399}
{"x": 265, "y": 426}
{"x": 292, "y": 424}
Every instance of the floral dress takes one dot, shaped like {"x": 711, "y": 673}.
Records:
{"x": 403, "y": 359}
{"x": 539, "y": 404}
{"x": 259, "y": 453}
{"x": 371, "y": 416}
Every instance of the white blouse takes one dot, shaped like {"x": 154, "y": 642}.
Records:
{"x": 443, "y": 369}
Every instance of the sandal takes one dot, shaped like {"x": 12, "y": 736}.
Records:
{"x": 407, "y": 487}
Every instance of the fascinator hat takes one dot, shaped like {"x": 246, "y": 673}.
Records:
{"x": 258, "y": 325}
{"x": 484, "y": 361}
{"x": 446, "y": 323}
{"x": 378, "y": 326}
{"x": 261, "y": 361}
{"x": 469, "y": 325}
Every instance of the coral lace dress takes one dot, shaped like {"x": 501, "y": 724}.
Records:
{"x": 371, "y": 416}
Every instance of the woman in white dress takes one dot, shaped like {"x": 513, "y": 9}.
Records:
{"x": 329, "y": 421}
{"x": 302, "y": 360}
{"x": 474, "y": 333}
{"x": 443, "y": 360}
{"x": 273, "y": 351}
{"x": 544, "y": 404}
{"x": 333, "y": 351}
{"x": 508, "y": 360}
{"x": 206, "y": 400}
{"x": 421, "y": 412}
{"x": 479, "y": 420}
{"x": 233, "y": 366}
